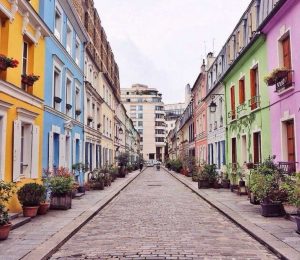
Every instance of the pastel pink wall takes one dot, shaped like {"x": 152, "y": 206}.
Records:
{"x": 286, "y": 105}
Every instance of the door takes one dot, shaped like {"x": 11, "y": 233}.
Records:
{"x": 290, "y": 141}
{"x": 232, "y": 94}
{"x": 233, "y": 152}
{"x": 257, "y": 147}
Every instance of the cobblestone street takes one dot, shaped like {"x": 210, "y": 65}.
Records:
{"x": 156, "y": 217}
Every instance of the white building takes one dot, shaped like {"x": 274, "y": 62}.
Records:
{"x": 145, "y": 107}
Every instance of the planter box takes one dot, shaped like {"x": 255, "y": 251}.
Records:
{"x": 272, "y": 209}
{"x": 61, "y": 202}
{"x": 203, "y": 184}
{"x": 97, "y": 185}
{"x": 225, "y": 184}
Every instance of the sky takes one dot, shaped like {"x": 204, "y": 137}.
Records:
{"x": 161, "y": 43}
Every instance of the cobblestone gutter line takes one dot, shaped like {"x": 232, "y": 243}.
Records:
{"x": 49, "y": 247}
{"x": 278, "y": 247}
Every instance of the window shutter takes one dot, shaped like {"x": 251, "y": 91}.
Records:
{"x": 286, "y": 48}
{"x": 232, "y": 101}
{"x": 219, "y": 155}
{"x": 62, "y": 150}
{"x": 224, "y": 153}
{"x": 80, "y": 151}
{"x": 35, "y": 152}
{"x": 241, "y": 92}
{"x": 17, "y": 151}
{"x": 86, "y": 153}
{"x": 50, "y": 151}
{"x": 74, "y": 151}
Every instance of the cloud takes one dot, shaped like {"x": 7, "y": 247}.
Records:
{"x": 162, "y": 42}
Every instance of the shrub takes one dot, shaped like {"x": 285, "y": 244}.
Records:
{"x": 209, "y": 172}
{"x": 6, "y": 192}
{"x": 31, "y": 194}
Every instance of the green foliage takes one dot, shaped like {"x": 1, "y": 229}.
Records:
{"x": 61, "y": 185}
{"x": 123, "y": 159}
{"x": 7, "y": 189}
{"x": 267, "y": 182}
{"x": 292, "y": 187}
{"x": 176, "y": 165}
{"x": 31, "y": 194}
{"x": 209, "y": 172}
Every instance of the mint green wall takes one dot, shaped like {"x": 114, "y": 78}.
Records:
{"x": 257, "y": 54}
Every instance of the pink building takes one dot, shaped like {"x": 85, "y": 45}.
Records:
{"x": 200, "y": 121}
{"x": 283, "y": 41}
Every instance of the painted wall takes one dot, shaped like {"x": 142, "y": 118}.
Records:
{"x": 284, "y": 106}
{"x": 255, "y": 56}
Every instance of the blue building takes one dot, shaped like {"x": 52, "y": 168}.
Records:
{"x": 64, "y": 86}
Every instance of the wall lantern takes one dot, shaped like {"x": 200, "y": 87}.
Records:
{"x": 120, "y": 131}
{"x": 212, "y": 107}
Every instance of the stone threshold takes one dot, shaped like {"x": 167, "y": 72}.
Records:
{"x": 277, "y": 246}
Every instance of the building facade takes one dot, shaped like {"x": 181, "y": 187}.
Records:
{"x": 23, "y": 35}
{"x": 281, "y": 41}
{"x": 146, "y": 109}
{"x": 173, "y": 112}
{"x": 64, "y": 88}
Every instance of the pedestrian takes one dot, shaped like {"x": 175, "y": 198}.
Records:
{"x": 141, "y": 166}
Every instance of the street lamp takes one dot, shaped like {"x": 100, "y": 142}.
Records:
{"x": 212, "y": 107}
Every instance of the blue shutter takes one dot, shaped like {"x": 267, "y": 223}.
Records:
{"x": 86, "y": 153}
{"x": 224, "y": 153}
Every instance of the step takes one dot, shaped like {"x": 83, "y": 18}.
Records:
{"x": 13, "y": 216}
{"x": 20, "y": 221}
{"x": 78, "y": 195}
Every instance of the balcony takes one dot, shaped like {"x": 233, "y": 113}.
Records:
{"x": 281, "y": 78}
{"x": 241, "y": 110}
{"x": 254, "y": 102}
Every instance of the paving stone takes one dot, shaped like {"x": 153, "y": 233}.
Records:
{"x": 161, "y": 222}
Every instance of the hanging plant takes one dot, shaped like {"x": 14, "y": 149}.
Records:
{"x": 29, "y": 79}
{"x": 6, "y": 62}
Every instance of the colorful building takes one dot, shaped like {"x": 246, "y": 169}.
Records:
{"x": 199, "y": 92}
{"x": 282, "y": 39}
{"x": 64, "y": 87}
{"x": 21, "y": 102}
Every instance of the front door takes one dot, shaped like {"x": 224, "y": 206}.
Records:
{"x": 290, "y": 141}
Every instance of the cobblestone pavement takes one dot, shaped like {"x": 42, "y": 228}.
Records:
{"x": 157, "y": 217}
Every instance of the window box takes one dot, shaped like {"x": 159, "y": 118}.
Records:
{"x": 68, "y": 106}
{"x": 6, "y": 62}
{"x": 77, "y": 112}
{"x": 281, "y": 77}
{"x": 29, "y": 79}
{"x": 90, "y": 119}
{"x": 98, "y": 126}
{"x": 57, "y": 100}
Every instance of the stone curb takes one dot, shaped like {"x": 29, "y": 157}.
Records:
{"x": 49, "y": 247}
{"x": 278, "y": 247}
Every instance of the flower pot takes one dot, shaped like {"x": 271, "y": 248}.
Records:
{"x": 3, "y": 66}
{"x": 203, "y": 184}
{"x": 57, "y": 100}
{"x": 4, "y": 231}
{"x": 43, "y": 208}
{"x": 30, "y": 211}
{"x": 225, "y": 184}
{"x": 272, "y": 209}
{"x": 61, "y": 202}
{"x": 97, "y": 185}
{"x": 298, "y": 224}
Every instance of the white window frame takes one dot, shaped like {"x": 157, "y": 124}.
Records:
{"x": 69, "y": 33}
{"x": 58, "y": 67}
{"x": 59, "y": 11}
{"x": 70, "y": 101}
{"x": 77, "y": 51}
{"x": 4, "y": 106}
{"x": 78, "y": 105}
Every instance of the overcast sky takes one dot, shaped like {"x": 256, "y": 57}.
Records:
{"x": 161, "y": 43}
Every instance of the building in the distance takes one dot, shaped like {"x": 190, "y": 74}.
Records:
{"x": 146, "y": 109}
{"x": 173, "y": 112}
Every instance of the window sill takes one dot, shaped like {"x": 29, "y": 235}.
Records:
{"x": 281, "y": 93}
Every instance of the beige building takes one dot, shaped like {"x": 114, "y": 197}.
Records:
{"x": 173, "y": 112}
{"x": 145, "y": 107}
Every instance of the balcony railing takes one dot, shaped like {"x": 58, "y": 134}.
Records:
{"x": 288, "y": 168}
{"x": 285, "y": 81}
{"x": 241, "y": 109}
{"x": 254, "y": 102}
{"x": 232, "y": 114}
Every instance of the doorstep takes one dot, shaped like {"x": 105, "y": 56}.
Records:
{"x": 277, "y": 234}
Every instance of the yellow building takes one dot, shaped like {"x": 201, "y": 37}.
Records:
{"x": 22, "y": 35}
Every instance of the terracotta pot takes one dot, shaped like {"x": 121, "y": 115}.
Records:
{"x": 4, "y": 231}
{"x": 43, "y": 208}
{"x": 30, "y": 211}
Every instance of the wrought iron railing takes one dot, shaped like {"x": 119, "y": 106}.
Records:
{"x": 285, "y": 81}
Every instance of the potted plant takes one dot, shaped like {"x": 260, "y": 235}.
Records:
{"x": 77, "y": 112}
{"x": 276, "y": 76}
{"x": 30, "y": 195}
{"x": 6, "y": 62}
{"x": 6, "y": 192}
{"x": 29, "y": 79}
{"x": 225, "y": 182}
{"x": 267, "y": 188}
{"x": 44, "y": 204}
{"x": 123, "y": 159}
{"x": 292, "y": 187}
{"x": 207, "y": 176}
{"x": 96, "y": 180}
{"x": 232, "y": 174}
{"x": 61, "y": 185}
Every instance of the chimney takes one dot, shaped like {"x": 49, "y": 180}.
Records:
{"x": 203, "y": 66}
{"x": 187, "y": 94}
{"x": 210, "y": 59}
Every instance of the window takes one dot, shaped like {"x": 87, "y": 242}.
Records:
{"x": 58, "y": 22}
{"x": 140, "y": 123}
{"x": 254, "y": 84}
{"x": 104, "y": 125}
{"x": 140, "y": 108}
{"x": 77, "y": 102}
{"x": 69, "y": 96}
{"x": 69, "y": 39}
{"x": 127, "y": 99}
{"x": 57, "y": 88}
{"x": 244, "y": 148}
{"x": 140, "y": 131}
{"x": 140, "y": 116}
{"x": 232, "y": 99}
{"x": 257, "y": 147}
{"x": 159, "y": 139}
{"x": 159, "y": 131}
{"x": 286, "y": 53}
{"x": 77, "y": 51}
{"x": 68, "y": 152}
{"x": 25, "y": 61}
{"x": 233, "y": 152}
{"x": 241, "y": 91}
